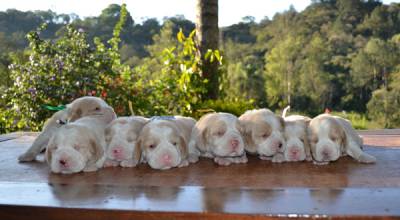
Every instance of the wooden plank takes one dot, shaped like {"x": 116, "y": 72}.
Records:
{"x": 256, "y": 190}
{"x": 288, "y": 202}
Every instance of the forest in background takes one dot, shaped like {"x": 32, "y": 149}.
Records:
{"x": 336, "y": 54}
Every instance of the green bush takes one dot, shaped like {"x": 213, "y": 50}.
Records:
{"x": 60, "y": 71}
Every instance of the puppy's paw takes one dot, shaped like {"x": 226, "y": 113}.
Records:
{"x": 309, "y": 158}
{"x": 91, "y": 168}
{"x": 128, "y": 163}
{"x": 222, "y": 161}
{"x": 319, "y": 163}
{"x": 278, "y": 158}
{"x": 265, "y": 157}
{"x": 26, "y": 157}
{"x": 184, "y": 163}
{"x": 241, "y": 159}
{"x": 110, "y": 163}
{"x": 366, "y": 158}
{"x": 193, "y": 158}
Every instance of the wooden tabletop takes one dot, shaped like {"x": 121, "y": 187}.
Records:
{"x": 256, "y": 190}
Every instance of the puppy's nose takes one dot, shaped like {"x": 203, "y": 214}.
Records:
{"x": 167, "y": 158}
{"x": 63, "y": 162}
{"x": 326, "y": 153}
{"x": 294, "y": 151}
{"x": 117, "y": 150}
{"x": 234, "y": 143}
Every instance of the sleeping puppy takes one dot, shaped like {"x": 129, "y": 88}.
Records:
{"x": 297, "y": 145}
{"x": 263, "y": 132}
{"x": 121, "y": 135}
{"x": 81, "y": 107}
{"x": 331, "y": 137}
{"x": 218, "y": 136}
{"x": 163, "y": 142}
{"x": 77, "y": 146}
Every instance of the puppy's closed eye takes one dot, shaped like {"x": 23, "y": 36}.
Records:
{"x": 152, "y": 146}
{"x": 265, "y": 135}
{"x": 219, "y": 133}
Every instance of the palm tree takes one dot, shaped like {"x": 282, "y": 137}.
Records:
{"x": 207, "y": 34}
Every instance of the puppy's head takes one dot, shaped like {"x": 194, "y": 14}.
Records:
{"x": 163, "y": 144}
{"x": 296, "y": 139}
{"x": 263, "y": 132}
{"x": 219, "y": 134}
{"x": 90, "y": 106}
{"x": 327, "y": 138}
{"x": 72, "y": 148}
{"x": 121, "y": 137}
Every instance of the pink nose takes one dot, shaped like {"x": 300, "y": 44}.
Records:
{"x": 294, "y": 151}
{"x": 167, "y": 158}
{"x": 235, "y": 143}
{"x": 325, "y": 153}
{"x": 63, "y": 162}
{"x": 117, "y": 150}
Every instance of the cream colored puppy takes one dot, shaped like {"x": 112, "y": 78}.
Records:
{"x": 263, "y": 132}
{"x": 218, "y": 136}
{"x": 121, "y": 136}
{"x": 297, "y": 145}
{"x": 77, "y": 146}
{"x": 81, "y": 107}
{"x": 331, "y": 137}
{"x": 164, "y": 142}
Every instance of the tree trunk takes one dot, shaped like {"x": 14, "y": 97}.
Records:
{"x": 207, "y": 34}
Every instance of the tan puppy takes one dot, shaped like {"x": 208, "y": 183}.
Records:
{"x": 263, "y": 132}
{"x": 217, "y": 135}
{"x": 331, "y": 137}
{"x": 81, "y": 107}
{"x": 77, "y": 146}
{"x": 121, "y": 136}
{"x": 297, "y": 145}
{"x": 164, "y": 142}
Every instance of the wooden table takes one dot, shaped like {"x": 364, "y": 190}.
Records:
{"x": 256, "y": 190}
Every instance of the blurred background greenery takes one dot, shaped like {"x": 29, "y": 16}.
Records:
{"x": 337, "y": 54}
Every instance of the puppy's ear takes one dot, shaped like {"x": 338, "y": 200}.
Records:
{"x": 137, "y": 152}
{"x": 49, "y": 150}
{"x": 74, "y": 114}
{"x": 199, "y": 135}
{"x": 96, "y": 150}
{"x": 183, "y": 147}
{"x": 109, "y": 113}
{"x": 307, "y": 147}
{"x": 247, "y": 134}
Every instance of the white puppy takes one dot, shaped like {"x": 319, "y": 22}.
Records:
{"x": 164, "y": 142}
{"x": 331, "y": 137}
{"x": 81, "y": 107}
{"x": 121, "y": 136}
{"x": 263, "y": 132}
{"x": 77, "y": 146}
{"x": 218, "y": 136}
{"x": 297, "y": 145}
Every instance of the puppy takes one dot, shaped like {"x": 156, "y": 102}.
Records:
{"x": 121, "y": 135}
{"x": 164, "y": 142}
{"x": 77, "y": 146}
{"x": 218, "y": 136}
{"x": 263, "y": 132}
{"x": 295, "y": 132}
{"x": 331, "y": 137}
{"x": 81, "y": 107}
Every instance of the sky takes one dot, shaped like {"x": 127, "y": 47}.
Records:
{"x": 230, "y": 11}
